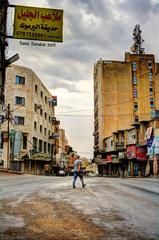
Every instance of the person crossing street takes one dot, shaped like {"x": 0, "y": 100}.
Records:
{"x": 78, "y": 172}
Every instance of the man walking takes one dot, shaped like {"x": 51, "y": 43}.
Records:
{"x": 47, "y": 169}
{"x": 78, "y": 172}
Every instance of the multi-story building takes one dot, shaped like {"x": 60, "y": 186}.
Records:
{"x": 30, "y": 109}
{"x": 125, "y": 94}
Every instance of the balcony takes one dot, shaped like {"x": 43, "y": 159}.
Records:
{"x": 119, "y": 146}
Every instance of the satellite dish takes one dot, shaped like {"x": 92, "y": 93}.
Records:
{"x": 133, "y": 49}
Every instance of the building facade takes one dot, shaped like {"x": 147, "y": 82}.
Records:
{"x": 30, "y": 112}
{"x": 125, "y": 94}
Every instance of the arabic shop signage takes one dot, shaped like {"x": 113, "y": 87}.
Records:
{"x": 131, "y": 152}
{"x": 153, "y": 145}
{"x": 141, "y": 153}
{"x": 53, "y": 101}
{"x": 42, "y": 24}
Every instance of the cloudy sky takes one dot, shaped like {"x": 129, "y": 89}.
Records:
{"x": 93, "y": 29}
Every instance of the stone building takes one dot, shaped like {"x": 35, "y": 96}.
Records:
{"x": 31, "y": 113}
{"x": 125, "y": 95}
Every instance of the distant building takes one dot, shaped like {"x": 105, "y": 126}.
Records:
{"x": 32, "y": 114}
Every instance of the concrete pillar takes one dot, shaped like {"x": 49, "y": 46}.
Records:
{"x": 155, "y": 165}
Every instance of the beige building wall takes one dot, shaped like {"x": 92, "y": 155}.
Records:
{"x": 62, "y": 142}
{"x": 125, "y": 92}
{"x": 113, "y": 89}
{"x": 145, "y": 65}
{"x": 37, "y": 112}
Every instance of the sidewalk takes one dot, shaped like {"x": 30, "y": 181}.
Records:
{"x": 4, "y": 170}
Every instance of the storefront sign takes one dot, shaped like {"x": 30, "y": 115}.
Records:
{"x": 132, "y": 136}
{"x": 122, "y": 155}
{"x": 141, "y": 153}
{"x": 154, "y": 147}
{"x": 53, "y": 101}
{"x": 148, "y": 133}
{"x": 149, "y": 142}
{"x": 109, "y": 158}
{"x": 131, "y": 152}
{"x": 42, "y": 24}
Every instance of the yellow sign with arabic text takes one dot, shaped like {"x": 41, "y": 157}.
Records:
{"x": 42, "y": 24}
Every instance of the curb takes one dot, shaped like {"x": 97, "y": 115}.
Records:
{"x": 10, "y": 171}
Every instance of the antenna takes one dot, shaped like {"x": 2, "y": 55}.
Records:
{"x": 138, "y": 40}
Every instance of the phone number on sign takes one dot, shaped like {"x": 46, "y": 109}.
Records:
{"x": 30, "y": 34}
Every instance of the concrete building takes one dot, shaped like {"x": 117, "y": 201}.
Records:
{"x": 62, "y": 143}
{"x": 126, "y": 94}
{"x": 31, "y": 113}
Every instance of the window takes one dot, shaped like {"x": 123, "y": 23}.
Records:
{"x": 35, "y": 125}
{"x": 150, "y": 65}
{"x": 19, "y": 80}
{"x": 36, "y": 88}
{"x": 49, "y": 119}
{"x": 134, "y": 66}
{"x": 151, "y": 91}
{"x": 134, "y": 80}
{"x": 49, "y": 133}
{"x": 45, "y": 115}
{"x": 1, "y": 142}
{"x": 150, "y": 75}
{"x": 35, "y": 107}
{"x": 45, "y": 131}
{"x": 48, "y": 147}
{"x": 45, "y": 99}
{"x": 41, "y": 94}
{"x": 41, "y": 128}
{"x": 35, "y": 143}
{"x": 151, "y": 103}
{"x": 40, "y": 145}
{"x": 112, "y": 143}
{"x": 135, "y": 106}
{"x": 135, "y": 92}
{"x": 19, "y": 101}
{"x": 45, "y": 146}
{"x": 41, "y": 112}
{"x": 24, "y": 142}
{"x": 19, "y": 120}
{"x": 136, "y": 118}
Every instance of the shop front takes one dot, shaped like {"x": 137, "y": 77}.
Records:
{"x": 133, "y": 165}
{"x": 112, "y": 167}
{"x": 141, "y": 156}
{"x": 153, "y": 153}
{"x": 123, "y": 160}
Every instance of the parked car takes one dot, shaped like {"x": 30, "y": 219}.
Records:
{"x": 62, "y": 173}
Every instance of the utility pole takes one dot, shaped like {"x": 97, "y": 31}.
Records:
{"x": 3, "y": 43}
{"x": 8, "y": 143}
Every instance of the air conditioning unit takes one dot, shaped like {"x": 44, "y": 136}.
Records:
{"x": 154, "y": 114}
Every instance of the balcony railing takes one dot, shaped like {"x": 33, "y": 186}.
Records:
{"x": 119, "y": 146}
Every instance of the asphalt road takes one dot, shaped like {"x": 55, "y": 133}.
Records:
{"x": 122, "y": 208}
